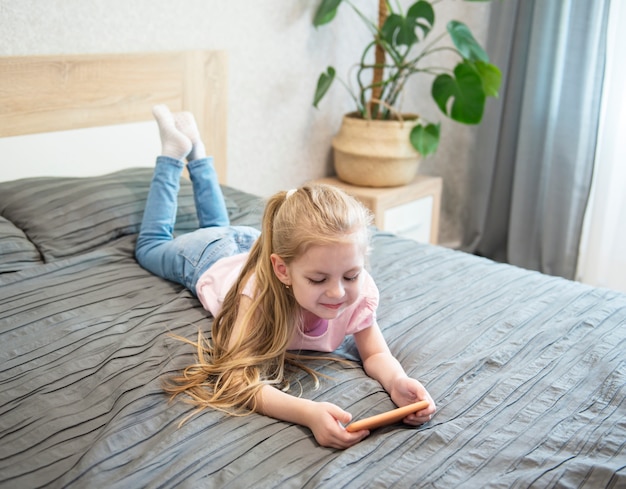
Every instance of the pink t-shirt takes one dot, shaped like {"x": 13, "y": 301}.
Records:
{"x": 321, "y": 335}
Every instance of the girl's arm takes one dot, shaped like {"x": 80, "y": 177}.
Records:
{"x": 322, "y": 418}
{"x": 381, "y": 365}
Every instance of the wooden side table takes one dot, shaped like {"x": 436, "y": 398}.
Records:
{"x": 411, "y": 210}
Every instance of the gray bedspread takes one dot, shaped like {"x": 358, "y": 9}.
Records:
{"x": 528, "y": 371}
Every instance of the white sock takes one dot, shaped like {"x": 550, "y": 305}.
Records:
{"x": 186, "y": 123}
{"x": 174, "y": 143}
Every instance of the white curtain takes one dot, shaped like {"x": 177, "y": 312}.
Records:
{"x": 602, "y": 256}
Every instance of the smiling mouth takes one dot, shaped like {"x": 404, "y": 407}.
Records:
{"x": 333, "y": 306}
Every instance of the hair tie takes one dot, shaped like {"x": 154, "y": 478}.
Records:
{"x": 290, "y": 193}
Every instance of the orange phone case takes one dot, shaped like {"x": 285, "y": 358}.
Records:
{"x": 389, "y": 417}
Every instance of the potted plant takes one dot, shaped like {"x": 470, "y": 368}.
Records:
{"x": 377, "y": 145}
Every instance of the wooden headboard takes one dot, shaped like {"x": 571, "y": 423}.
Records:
{"x": 53, "y": 93}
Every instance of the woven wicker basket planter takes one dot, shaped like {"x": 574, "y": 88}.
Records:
{"x": 375, "y": 153}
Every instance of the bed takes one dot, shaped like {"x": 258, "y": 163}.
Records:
{"x": 528, "y": 370}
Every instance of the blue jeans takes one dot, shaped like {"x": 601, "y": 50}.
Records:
{"x": 184, "y": 258}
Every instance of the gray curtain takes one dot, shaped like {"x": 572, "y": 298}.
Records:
{"x": 530, "y": 179}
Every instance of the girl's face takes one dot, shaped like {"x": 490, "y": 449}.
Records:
{"x": 326, "y": 279}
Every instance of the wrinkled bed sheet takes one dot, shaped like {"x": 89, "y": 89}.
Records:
{"x": 528, "y": 371}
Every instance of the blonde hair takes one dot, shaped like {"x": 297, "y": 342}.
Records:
{"x": 229, "y": 372}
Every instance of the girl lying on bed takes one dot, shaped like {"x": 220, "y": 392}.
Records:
{"x": 300, "y": 284}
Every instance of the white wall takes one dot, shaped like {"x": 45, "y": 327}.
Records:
{"x": 277, "y": 139}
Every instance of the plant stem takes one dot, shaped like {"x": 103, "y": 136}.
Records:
{"x": 379, "y": 63}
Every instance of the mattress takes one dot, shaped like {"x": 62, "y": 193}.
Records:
{"x": 528, "y": 371}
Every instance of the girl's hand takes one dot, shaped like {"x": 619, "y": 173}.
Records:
{"x": 406, "y": 390}
{"x": 325, "y": 420}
